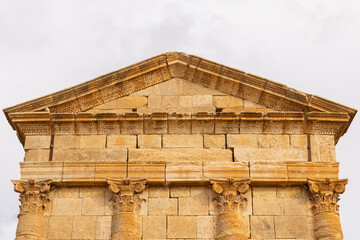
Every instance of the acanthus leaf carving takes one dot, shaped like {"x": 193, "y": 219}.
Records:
{"x": 325, "y": 194}
{"x": 126, "y": 194}
{"x": 230, "y": 192}
{"x": 33, "y": 195}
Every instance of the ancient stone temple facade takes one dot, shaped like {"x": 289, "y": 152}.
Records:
{"x": 179, "y": 147}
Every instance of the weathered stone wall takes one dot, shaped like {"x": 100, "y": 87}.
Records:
{"x": 179, "y": 212}
{"x": 195, "y": 147}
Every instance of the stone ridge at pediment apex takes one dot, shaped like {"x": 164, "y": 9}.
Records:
{"x": 191, "y": 68}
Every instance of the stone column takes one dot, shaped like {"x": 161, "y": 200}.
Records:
{"x": 34, "y": 199}
{"x": 230, "y": 222}
{"x": 325, "y": 195}
{"x": 126, "y": 222}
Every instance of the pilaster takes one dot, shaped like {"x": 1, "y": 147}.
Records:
{"x": 230, "y": 222}
{"x": 325, "y": 195}
{"x": 126, "y": 222}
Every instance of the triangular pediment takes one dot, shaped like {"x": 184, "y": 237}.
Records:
{"x": 196, "y": 74}
{"x": 180, "y": 96}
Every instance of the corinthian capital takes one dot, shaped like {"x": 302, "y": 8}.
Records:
{"x": 126, "y": 194}
{"x": 325, "y": 194}
{"x": 230, "y": 193}
{"x": 33, "y": 194}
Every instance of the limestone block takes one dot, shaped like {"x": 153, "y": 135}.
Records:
{"x": 322, "y": 148}
{"x": 67, "y": 141}
{"x": 90, "y": 155}
{"x": 180, "y": 191}
{"x": 190, "y": 88}
{"x": 289, "y": 192}
{"x": 202, "y": 101}
{"x": 41, "y": 170}
{"x": 154, "y": 227}
{"x": 153, "y": 90}
{"x": 149, "y": 141}
{"x": 68, "y": 192}
{"x": 291, "y": 227}
{"x": 264, "y": 192}
{"x": 252, "y": 105}
{"x": 183, "y": 141}
{"x": 132, "y": 102}
{"x": 267, "y": 206}
{"x": 103, "y": 227}
{"x": 114, "y": 170}
{"x": 185, "y": 101}
{"x": 37, "y": 142}
{"x": 228, "y": 102}
{"x": 84, "y": 227}
{"x": 92, "y": 192}
{"x": 296, "y": 206}
{"x": 66, "y": 206}
{"x": 181, "y": 227}
{"x": 60, "y": 227}
{"x": 273, "y": 141}
{"x": 214, "y": 141}
{"x": 121, "y": 141}
{"x": 262, "y": 227}
{"x": 269, "y": 154}
{"x": 199, "y": 191}
{"x": 154, "y": 102}
{"x": 242, "y": 140}
{"x": 108, "y": 105}
{"x": 158, "y": 192}
{"x": 92, "y": 141}
{"x": 178, "y": 155}
{"x": 193, "y": 206}
{"x": 225, "y": 170}
{"x": 184, "y": 172}
{"x": 301, "y": 171}
{"x": 205, "y": 227}
{"x": 37, "y": 155}
{"x": 155, "y": 173}
{"x": 162, "y": 206}
{"x": 78, "y": 172}
{"x": 172, "y": 87}
{"x": 144, "y": 205}
{"x": 93, "y": 206}
{"x": 298, "y": 141}
{"x": 170, "y": 101}
{"x": 268, "y": 171}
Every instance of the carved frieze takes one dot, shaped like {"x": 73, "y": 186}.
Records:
{"x": 126, "y": 194}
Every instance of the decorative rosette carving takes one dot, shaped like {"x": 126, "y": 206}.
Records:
{"x": 325, "y": 194}
{"x": 33, "y": 195}
{"x": 230, "y": 193}
{"x": 126, "y": 194}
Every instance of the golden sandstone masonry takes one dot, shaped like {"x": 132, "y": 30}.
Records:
{"x": 179, "y": 147}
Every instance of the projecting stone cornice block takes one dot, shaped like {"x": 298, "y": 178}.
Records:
{"x": 96, "y": 173}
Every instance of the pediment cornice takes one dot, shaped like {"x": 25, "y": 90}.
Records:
{"x": 188, "y": 67}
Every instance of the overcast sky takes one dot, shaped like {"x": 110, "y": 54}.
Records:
{"x": 312, "y": 46}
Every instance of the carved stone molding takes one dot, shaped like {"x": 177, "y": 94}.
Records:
{"x": 229, "y": 199}
{"x": 33, "y": 195}
{"x": 126, "y": 194}
{"x": 325, "y": 194}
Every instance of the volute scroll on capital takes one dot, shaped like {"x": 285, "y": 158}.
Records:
{"x": 325, "y": 194}
{"x": 230, "y": 193}
{"x": 126, "y": 193}
{"x": 33, "y": 194}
